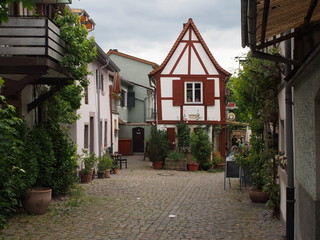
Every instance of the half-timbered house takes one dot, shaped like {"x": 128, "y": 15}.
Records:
{"x": 191, "y": 86}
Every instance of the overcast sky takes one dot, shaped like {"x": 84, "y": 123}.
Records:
{"x": 148, "y": 29}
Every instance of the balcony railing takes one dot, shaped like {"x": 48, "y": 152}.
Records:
{"x": 31, "y": 36}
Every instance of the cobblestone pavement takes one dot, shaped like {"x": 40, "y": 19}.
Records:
{"x": 152, "y": 204}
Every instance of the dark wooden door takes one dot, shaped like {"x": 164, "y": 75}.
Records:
{"x": 138, "y": 139}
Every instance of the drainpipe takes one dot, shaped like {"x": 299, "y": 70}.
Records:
{"x": 98, "y": 77}
{"x": 289, "y": 149}
{"x": 152, "y": 83}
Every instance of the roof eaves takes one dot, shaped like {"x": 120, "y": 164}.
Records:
{"x": 174, "y": 47}
{"x": 131, "y": 57}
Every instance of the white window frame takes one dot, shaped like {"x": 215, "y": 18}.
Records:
{"x": 193, "y": 93}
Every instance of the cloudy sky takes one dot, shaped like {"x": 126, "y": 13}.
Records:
{"x": 148, "y": 28}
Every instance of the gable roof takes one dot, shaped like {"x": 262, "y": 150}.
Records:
{"x": 116, "y": 52}
{"x": 189, "y": 24}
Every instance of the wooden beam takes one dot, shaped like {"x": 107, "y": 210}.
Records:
{"x": 42, "y": 98}
{"x": 297, "y": 32}
{"x": 54, "y": 81}
{"x": 312, "y": 6}
{"x": 19, "y": 85}
{"x": 265, "y": 20}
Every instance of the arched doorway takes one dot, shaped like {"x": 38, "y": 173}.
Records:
{"x": 138, "y": 139}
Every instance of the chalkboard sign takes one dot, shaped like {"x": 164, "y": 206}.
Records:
{"x": 232, "y": 170}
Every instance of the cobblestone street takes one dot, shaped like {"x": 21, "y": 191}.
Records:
{"x": 142, "y": 203}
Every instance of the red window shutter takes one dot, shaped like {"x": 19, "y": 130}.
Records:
{"x": 177, "y": 91}
{"x": 209, "y": 92}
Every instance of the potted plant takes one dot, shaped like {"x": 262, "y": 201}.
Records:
{"x": 176, "y": 161}
{"x": 116, "y": 169}
{"x": 255, "y": 164}
{"x": 89, "y": 159}
{"x": 218, "y": 161}
{"x": 158, "y": 147}
{"x": 193, "y": 165}
{"x": 201, "y": 148}
{"x": 105, "y": 163}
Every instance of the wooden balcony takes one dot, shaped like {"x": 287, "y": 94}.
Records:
{"x": 31, "y": 36}
{"x": 31, "y": 49}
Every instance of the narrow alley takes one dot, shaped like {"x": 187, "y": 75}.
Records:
{"x": 142, "y": 203}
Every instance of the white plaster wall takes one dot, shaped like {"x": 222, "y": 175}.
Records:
{"x": 190, "y": 111}
{"x": 173, "y": 59}
{"x": 182, "y": 67}
{"x": 205, "y": 58}
{"x": 91, "y": 110}
{"x": 196, "y": 67}
{"x": 166, "y": 86}
{"x": 170, "y": 112}
{"x": 213, "y": 112}
{"x": 193, "y": 36}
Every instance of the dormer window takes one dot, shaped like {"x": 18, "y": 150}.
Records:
{"x": 193, "y": 93}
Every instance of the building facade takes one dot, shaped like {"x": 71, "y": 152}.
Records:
{"x": 136, "y": 107}
{"x": 293, "y": 26}
{"x": 191, "y": 87}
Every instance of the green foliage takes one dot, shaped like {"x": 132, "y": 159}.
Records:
{"x": 105, "y": 162}
{"x": 201, "y": 148}
{"x": 254, "y": 91}
{"x": 158, "y": 146}
{"x": 183, "y": 136}
{"x": 176, "y": 155}
{"x": 4, "y": 7}
{"x": 18, "y": 166}
{"x": 80, "y": 49}
{"x": 89, "y": 159}
{"x": 65, "y": 164}
{"x": 62, "y": 106}
{"x": 217, "y": 158}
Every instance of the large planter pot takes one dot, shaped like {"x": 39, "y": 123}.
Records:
{"x": 101, "y": 174}
{"x": 37, "y": 200}
{"x": 257, "y": 196}
{"x": 157, "y": 165}
{"x": 116, "y": 170}
{"x": 85, "y": 177}
{"x": 192, "y": 166}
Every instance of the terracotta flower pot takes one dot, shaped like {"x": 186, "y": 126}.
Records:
{"x": 192, "y": 166}
{"x": 157, "y": 165}
{"x": 37, "y": 200}
{"x": 116, "y": 170}
{"x": 257, "y": 196}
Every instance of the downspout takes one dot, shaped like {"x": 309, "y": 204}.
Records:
{"x": 290, "y": 191}
{"x": 98, "y": 77}
{"x": 151, "y": 80}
